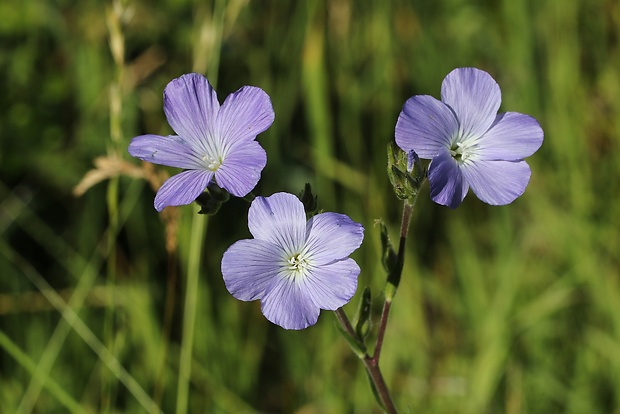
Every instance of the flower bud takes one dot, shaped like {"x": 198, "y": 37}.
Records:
{"x": 212, "y": 199}
{"x": 309, "y": 200}
{"x": 405, "y": 172}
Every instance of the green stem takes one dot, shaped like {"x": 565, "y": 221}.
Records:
{"x": 109, "y": 313}
{"x": 394, "y": 276}
{"x": 382, "y": 393}
{"x": 199, "y": 226}
{"x": 381, "y": 331}
{"x": 117, "y": 49}
{"x": 393, "y": 279}
{"x": 171, "y": 287}
{"x": 371, "y": 364}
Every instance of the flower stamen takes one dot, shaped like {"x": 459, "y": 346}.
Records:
{"x": 298, "y": 263}
{"x": 211, "y": 163}
{"x": 462, "y": 150}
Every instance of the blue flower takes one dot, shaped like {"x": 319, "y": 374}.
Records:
{"x": 293, "y": 266}
{"x": 213, "y": 142}
{"x": 469, "y": 143}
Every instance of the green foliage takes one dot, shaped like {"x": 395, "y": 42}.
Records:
{"x": 500, "y": 309}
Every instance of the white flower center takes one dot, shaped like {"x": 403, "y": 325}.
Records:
{"x": 212, "y": 163}
{"x": 297, "y": 262}
{"x": 298, "y": 265}
{"x": 463, "y": 149}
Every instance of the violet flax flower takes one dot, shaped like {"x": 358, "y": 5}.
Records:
{"x": 213, "y": 142}
{"x": 293, "y": 266}
{"x": 469, "y": 143}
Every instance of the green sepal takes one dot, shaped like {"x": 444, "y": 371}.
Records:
{"x": 388, "y": 256}
{"x": 399, "y": 182}
{"x": 356, "y": 345}
{"x": 363, "y": 323}
{"x": 405, "y": 172}
{"x": 212, "y": 199}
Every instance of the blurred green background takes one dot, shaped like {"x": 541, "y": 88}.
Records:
{"x": 512, "y": 309}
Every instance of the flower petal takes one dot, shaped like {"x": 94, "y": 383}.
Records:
{"x": 182, "y": 188}
{"x": 279, "y": 219}
{"x": 425, "y": 125}
{"x": 245, "y": 114}
{"x": 288, "y": 305}
{"x": 332, "y": 286}
{"x": 475, "y": 98}
{"x": 172, "y": 151}
{"x": 191, "y": 106}
{"x": 249, "y": 268}
{"x": 497, "y": 182}
{"x": 447, "y": 184}
{"x": 512, "y": 137}
{"x": 240, "y": 171}
{"x": 332, "y": 236}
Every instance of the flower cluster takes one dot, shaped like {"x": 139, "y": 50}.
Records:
{"x": 295, "y": 266}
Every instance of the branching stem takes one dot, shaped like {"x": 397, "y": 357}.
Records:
{"x": 371, "y": 363}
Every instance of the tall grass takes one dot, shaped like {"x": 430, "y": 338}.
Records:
{"x": 510, "y": 309}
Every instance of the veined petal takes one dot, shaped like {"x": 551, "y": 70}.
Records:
{"x": 332, "y": 286}
{"x": 182, "y": 188}
{"x": 250, "y": 267}
{"x": 245, "y": 114}
{"x": 279, "y": 219}
{"x": 288, "y": 305}
{"x": 191, "y": 107}
{"x": 475, "y": 98}
{"x": 512, "y": 137}
{"x": 172, "y": 151}
{"x": 497, "y": 182}
{"x": 447, "y": 184}
{"x": 425, "y": 125}
{"x": 240, "y": 171}
{"x": 332, "y": 236}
